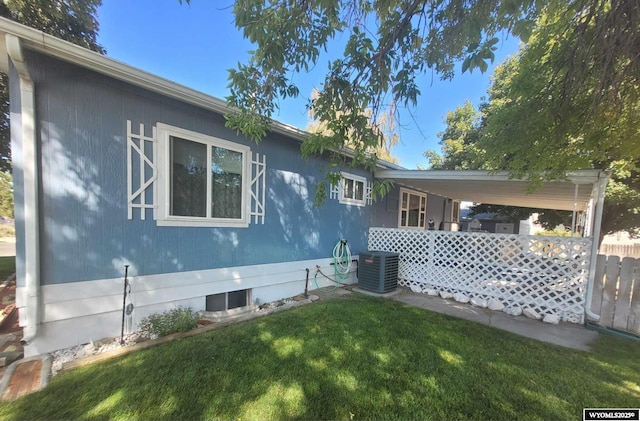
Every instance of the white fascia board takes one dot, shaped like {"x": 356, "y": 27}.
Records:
{"x": 4, "y": 54}
{"x": 575, "y": 177}
{"x": 441, "y": 175}
{"x": 587, "y": 176}
{"x": 390, "y": 165}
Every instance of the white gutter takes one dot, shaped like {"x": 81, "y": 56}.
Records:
{"x": 576, "y": 177}
{"x": 30, "y": 180}
{"x": 601, "y": 186}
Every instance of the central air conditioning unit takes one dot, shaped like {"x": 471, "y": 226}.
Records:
{"x": 378, "y": 271}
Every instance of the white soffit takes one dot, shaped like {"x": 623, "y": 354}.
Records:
{"x": 498, "y": 189}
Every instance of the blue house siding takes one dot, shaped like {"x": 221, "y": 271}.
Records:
{"x": 86, "y": 234}
{"x": 436, "y": 209}
{"x": 385, "y": 212}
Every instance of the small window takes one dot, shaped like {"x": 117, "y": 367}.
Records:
{"x": 352, "y": 191}
{"x": 228, "y": 300}
{"x": 203, "y": 180}
{"x": 413, "y": 209}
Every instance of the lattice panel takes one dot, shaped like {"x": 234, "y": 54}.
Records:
{"x": 547, "y": 274}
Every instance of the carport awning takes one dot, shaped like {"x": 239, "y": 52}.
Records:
{"x": 498, "y": 189}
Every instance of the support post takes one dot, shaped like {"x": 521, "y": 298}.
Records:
{"x": 603, "y": 179}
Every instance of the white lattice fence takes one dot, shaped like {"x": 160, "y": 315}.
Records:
{"x": 547, "y": 274}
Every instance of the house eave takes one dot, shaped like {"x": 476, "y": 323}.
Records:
{"x": 500, "y": 188}
{"x": 575, "y": 177}
{"x": 38, "y": 41}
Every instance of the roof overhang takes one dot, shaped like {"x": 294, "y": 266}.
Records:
{"x": 499, "y": 188}
{"x": 38, "y": 41}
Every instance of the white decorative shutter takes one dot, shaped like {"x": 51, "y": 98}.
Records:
{"x": 368, "y": 189}
{"x": 258, "y": 187}
{"x": 334, "y": 193}
{"x": 141, "y": 171}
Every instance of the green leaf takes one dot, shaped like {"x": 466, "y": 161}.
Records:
{"x": 466, "y": 63}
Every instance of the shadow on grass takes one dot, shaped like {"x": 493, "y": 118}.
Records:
{"x": 356, "y": 358}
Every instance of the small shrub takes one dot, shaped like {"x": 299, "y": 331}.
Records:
{"x": 162, "y": 324}
{"x": 557, "y": 232}
{"x": 7, "y": 231}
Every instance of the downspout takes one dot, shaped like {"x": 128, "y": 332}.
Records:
{"x": 30, "y": 169}
{"x": 603, "y": 179}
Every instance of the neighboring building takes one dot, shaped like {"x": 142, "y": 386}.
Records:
{"x": 489, "y": 222}
{"x": 620, "y": 244}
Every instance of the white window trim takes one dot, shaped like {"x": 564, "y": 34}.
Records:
{"x": 350, "y": 201}
{"x": 164, "y": 131}
{"x": 415, "y": 193}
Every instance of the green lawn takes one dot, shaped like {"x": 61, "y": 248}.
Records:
{"x": 350, "y": 358}
{"x": 7, "y": 267}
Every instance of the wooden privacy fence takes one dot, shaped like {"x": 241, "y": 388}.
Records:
{"x": 622, "y": 250}
{"x": 616, "y": 293}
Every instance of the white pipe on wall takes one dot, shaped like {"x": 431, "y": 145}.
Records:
{"x": 575, "y": 206}
{"x": 30, "y": 171}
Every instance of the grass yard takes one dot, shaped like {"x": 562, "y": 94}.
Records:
{"x": 7, "y": 267}
{"x": 350, "y": 358}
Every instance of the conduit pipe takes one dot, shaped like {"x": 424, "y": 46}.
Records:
{"x": 603, "y": 179}
{"x": 30, "y": 173}
{"x": 573, "y": 214}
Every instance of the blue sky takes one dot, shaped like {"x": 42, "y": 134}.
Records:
{"x": 195, "y": 44}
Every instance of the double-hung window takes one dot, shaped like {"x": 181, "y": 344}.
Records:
{"x": 203, "y": 180}
{"x": 413, "y": 209}
{"x": 352, "y": 191}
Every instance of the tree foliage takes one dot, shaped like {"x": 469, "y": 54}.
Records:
{"x": 71, "y": 20}
{"x": 6, "y": 195}
{"x": 390, "y": 45}
{"x": 549, "y": 219}
{"x": 563, "y": 124}
{"x": 537, "y": 127}
{"x": 462, "y": 150}
{"x": 459, "y": 141}
{"x": 386, "y": 124}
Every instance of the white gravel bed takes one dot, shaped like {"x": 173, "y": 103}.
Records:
{"x": 62, "y": 356}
